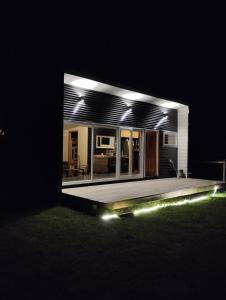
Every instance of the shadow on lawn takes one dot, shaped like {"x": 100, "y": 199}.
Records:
{"x": 32, "y": 202}
{"x": 15, "y": 201}
{"x": 79, "y": 204}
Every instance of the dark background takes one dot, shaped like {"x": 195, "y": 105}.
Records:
{"x": 173, "y": 53}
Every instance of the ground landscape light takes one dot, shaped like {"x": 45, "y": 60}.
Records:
{"x": 84, "y": 83}
{"x": 109, "y": 217}
{"x": 132, "y": 96}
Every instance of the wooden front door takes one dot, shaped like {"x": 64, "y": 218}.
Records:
{"x": 151, "y": 153}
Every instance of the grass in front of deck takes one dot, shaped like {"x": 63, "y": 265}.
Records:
{"x": 58, "y": 253}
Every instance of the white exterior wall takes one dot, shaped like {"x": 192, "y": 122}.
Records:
{"x": 182, "y": 139}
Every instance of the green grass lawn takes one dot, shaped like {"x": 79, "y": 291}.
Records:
{"x": 58, "y": 253}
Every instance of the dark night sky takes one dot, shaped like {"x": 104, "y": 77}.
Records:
{"x": 171, "y": 53}
{"x": 179, "y": 57}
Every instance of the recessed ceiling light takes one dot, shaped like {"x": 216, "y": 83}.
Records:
{"x": 132, "y": 96}
{"x": 84, "y": 83}
{"x": 169, "y": 104}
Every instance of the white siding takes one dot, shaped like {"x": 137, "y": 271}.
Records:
{"x": 182, "y": 141}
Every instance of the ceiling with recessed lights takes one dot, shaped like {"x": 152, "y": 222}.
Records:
{"x": 89, "y": 84}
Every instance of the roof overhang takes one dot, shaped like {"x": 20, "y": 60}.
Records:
{"x": 85, "y": 83}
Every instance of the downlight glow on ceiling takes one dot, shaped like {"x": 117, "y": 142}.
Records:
{"x": 84, "y": 83}
{"x": 169, "y": 104}
{"x": 132, "y": 96}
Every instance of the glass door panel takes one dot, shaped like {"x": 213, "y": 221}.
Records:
{"x": 125, "y": 155}
{"x": 136, "y": 142}
{"x": 104, "y": 153}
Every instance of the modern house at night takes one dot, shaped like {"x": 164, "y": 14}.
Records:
{"x": 113, "y": 134}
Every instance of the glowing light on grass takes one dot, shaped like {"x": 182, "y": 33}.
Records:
{"x": 109, "y": 217}
{"x": 220, "y": 195}
{"x": 214, "y": 190}
{"x": 159, "y": 206}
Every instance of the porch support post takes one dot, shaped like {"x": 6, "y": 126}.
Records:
{"x": 224, "y": 169}
{"x": 182, "y": 139}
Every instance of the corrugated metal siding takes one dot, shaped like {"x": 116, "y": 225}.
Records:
{"x": 166, "y": 153}
{"x": 107, "y": 109}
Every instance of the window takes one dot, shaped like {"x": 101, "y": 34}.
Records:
{"x": 169, "y": 139}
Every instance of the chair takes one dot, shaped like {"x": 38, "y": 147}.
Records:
{"x": 81, "y": 168}
{"x": 75, "y": 167}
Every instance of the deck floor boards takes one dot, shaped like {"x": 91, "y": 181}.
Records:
{"x": 110, "y": 193}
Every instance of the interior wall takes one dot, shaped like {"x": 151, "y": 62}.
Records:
{"x": 126, "y": 134}
{"x": 65, "y": 145}
{"x": 82, "y": 142}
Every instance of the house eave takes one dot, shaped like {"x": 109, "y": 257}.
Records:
{"x": 120, "y": 92}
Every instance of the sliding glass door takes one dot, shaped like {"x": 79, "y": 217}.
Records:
{"x": 92, "y": 152}
{"x": 125, "y": 153}
{"x": 136, "y": 153}
{"x": 104, "y": 153}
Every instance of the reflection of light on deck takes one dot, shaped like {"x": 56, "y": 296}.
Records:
{"x": 159, "y": 206}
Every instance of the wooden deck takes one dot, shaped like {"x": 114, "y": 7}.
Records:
{"x": 125, "y": 194}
